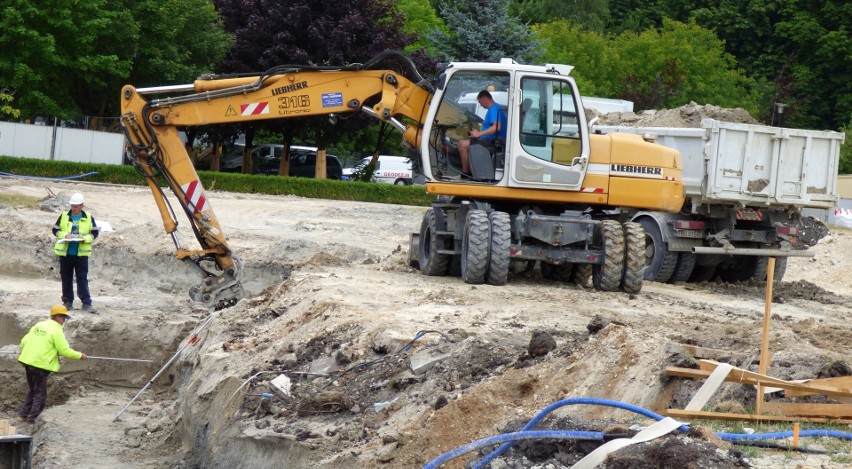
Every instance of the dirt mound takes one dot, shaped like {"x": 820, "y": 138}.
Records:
{"x": 689, "y": 115}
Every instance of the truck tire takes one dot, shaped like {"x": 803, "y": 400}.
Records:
{"x": 432, "y": 262}
{"x": 702, "y": 273}
{"x": 400, "y": 182}
{"x": 501, "y": 238}
{"x": 659, "y": 261}
{"x": 736, "y": 269}
{"x": 558, "y": 272}
{"x": 634, "y": 258}
{"x": 582, "y": 275}
{"x": 758, "y": 267}
{"x": 684, "y": 267}
{"x": 607, "y": 276}
{"x": 476, "y": 244}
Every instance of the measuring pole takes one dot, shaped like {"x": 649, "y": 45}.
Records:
{"x": 764, "y": 338}
{"x": 192, "y": 339}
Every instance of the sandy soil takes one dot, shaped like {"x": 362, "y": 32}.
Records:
{"x": 333, "y": 305}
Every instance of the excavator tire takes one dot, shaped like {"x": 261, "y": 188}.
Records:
{"x": 659, "y": 260}
{"x": 634, "y": 257}
{"x": 683, "y": 269}
{"x": 582, "y": 275}
{"x": 501, "y": 237}
{"x": 476, "y": 244}
{"x": 607, "y": 276}
{"x": 431, "y": 262}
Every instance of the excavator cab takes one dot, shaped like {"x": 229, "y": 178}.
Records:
{"x": 547, "y": 143}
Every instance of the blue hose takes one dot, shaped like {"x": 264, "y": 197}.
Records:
{"x": 529, "y": 435}
{"x": 63, "y": 178}
{"x": 525, "y": 433}
{"x": 573, "y": 401}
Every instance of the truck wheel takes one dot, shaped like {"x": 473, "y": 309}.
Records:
{"x": 607, "y": 276}
{"x": 558, "y": 272}
{"x": 659, "y": 261}
{"x": 582, "y": 275}
{"x": 501, "y": 237}
{"x": 684, "y": 267}
{"x": 476, "y": 243}
{"x": 431, "y": 261}
{"x": 634, "y": 257}
{"x": 735, "y": 269}
{"x": 702, "y": 273}
{"x": 761, "y": 265}
{"x": 400, "y": 182}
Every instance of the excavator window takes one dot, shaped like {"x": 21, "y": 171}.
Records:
{"x": 549, "y": 127}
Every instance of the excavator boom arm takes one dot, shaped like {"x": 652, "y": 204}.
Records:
{"x": 151, "y": 127}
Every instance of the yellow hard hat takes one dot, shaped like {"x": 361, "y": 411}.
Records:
{"x": 57, "y": 310}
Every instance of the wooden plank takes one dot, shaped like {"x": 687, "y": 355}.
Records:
{"x": 697, "y": 414}
{"x": 747, "y": 377}
{"x": 809, "y": 409}
{"x": 843, "y": 383}
{"x": 704, "y": 352}
{"x": 758, "y": 378}
{"x": 4, "y": 426}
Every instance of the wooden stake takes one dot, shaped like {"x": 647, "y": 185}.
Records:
{"x": 795, "y": 434}
{"x": 764, "y": 338}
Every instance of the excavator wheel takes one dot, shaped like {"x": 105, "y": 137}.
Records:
{"x": 659, "y": 260}
{"x": 501, "y": 237}
{"x": 607, "y": 276}
{"x": 684, "y": 267}
{"x": 634, "y": 257}
{"x": 431, "y": 261}
{"x": 476, "y": 244}
{"x": 582, "y": 275}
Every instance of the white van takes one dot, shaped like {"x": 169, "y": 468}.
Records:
{"x": 389, "y": 169}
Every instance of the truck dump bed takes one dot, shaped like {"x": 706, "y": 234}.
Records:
{"x": 754, "y": 165}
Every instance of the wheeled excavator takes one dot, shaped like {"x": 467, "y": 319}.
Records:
{"x": 551, "y": 194}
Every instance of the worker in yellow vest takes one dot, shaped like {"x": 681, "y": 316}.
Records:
{"x": 40, "y": 351}
{"x": 75, "y": 230}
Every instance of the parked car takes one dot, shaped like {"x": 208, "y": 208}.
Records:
{"x": 389, "y": 169}
{"x": 266, "y": 159}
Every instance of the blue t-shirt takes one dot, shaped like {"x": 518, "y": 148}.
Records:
{"x": 75, "y": 230}
{"x": 494, "y": 114}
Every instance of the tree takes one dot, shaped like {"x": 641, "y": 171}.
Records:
{"x": 66, "y": 58}
{"x": 7, "y": 112}
{"x": 420, "y": 17}
{"x": 799, "y": 47}
{"x": 665, "y": 67}
{"x": 269, "y": 33}
{"x": 483, "y": 31}
{"x": 590, "y": 14}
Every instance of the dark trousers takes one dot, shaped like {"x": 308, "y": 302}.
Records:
{"x": 37, "y": 395}
{"x": 70, "y": 266}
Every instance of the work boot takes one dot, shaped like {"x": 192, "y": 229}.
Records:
{"x": 69, "y": 305}
{"x": 89, "y": 308}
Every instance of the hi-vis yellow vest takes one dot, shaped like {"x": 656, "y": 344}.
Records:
{"x": 65, "y": 226}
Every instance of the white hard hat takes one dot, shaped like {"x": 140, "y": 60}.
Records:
{"x": 76, "y": 199}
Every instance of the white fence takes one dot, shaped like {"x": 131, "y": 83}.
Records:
{"x": 60, "y": 143}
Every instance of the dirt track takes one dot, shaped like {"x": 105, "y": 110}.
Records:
{"x": 330, "y": 289}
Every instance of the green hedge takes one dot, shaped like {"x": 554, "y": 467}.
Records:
{"x": 230, "y": 182}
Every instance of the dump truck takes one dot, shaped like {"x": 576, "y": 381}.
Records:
{"x": 746, "y": 188}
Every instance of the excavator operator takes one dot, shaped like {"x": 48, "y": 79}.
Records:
{"x": 493, "y": 128}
